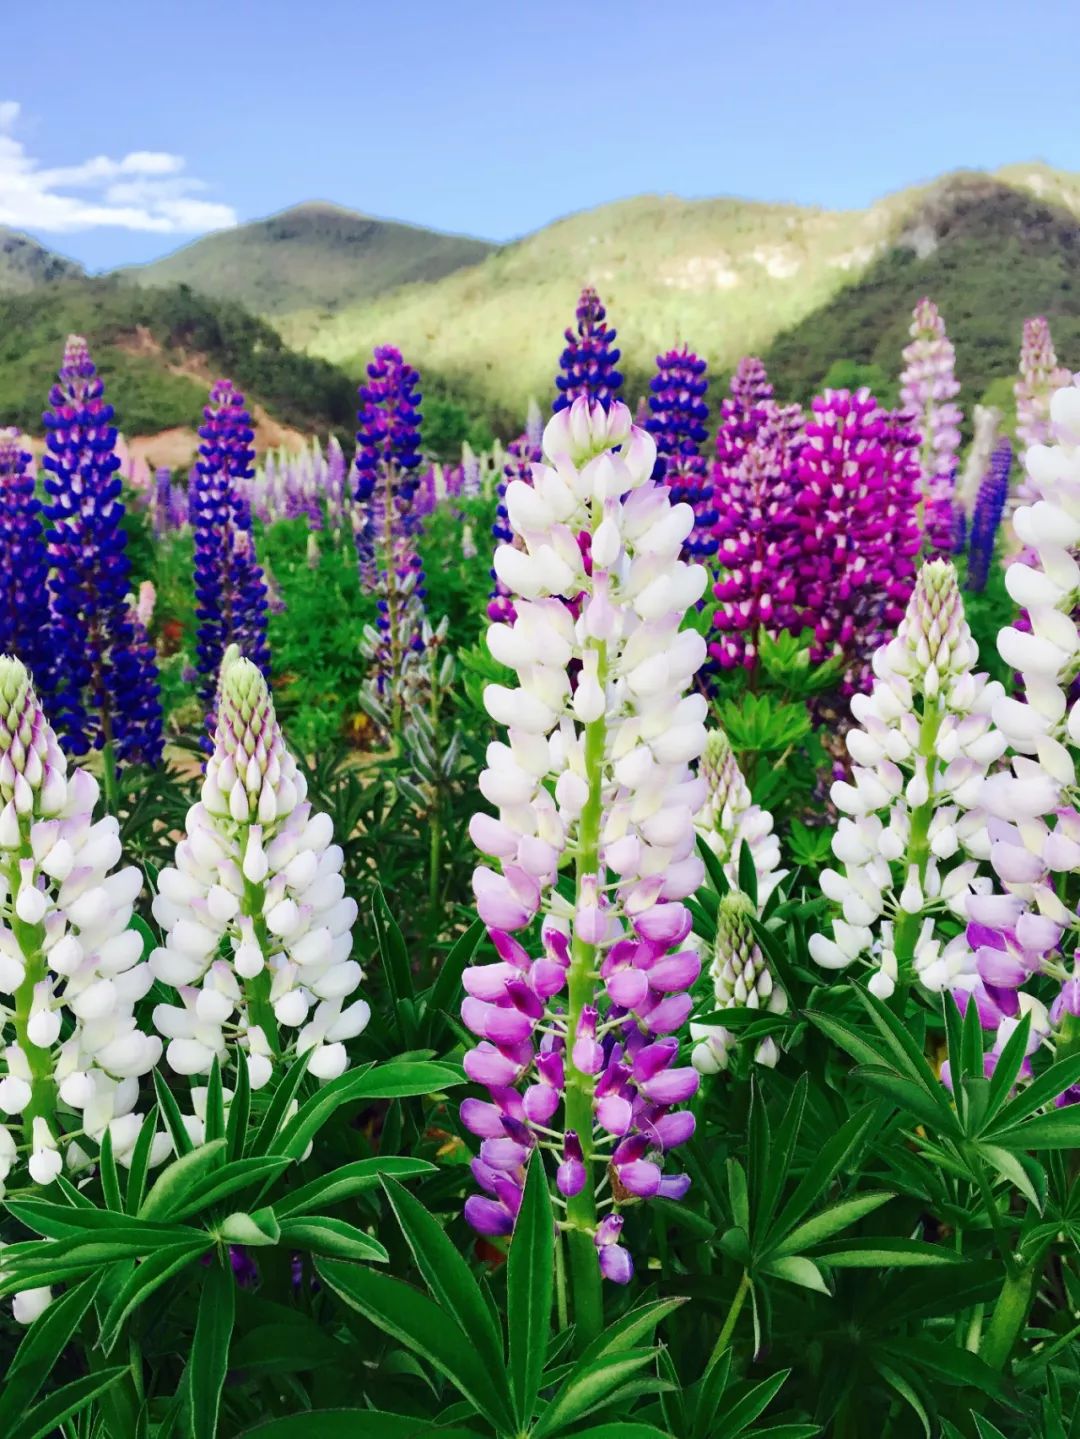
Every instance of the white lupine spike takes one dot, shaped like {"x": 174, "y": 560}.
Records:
{"x": 256, "y": 879}
{"x": 70, "y": 967}
{"x": 923, "y": 748}
{"x": 729, "y": 818}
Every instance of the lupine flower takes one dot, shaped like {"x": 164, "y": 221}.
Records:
{"x": 741, "y": 980}
{"x": 729, "y": 818}
{"x": 756, "y": 525}
{"x": 70, "y": 967}
{"x": 986, "y": 518}
{"x": 24, "y": 595}
{"x": 589, "y": 360}
{"x": 105, "y": 687}
{"x": 387, "y": 461}
{"x": 168, "y": 505}
{"x": 258, "y": 931}
{"x": 1040, "y": 375}
{"x": 597, "y": 769}
{"x": 857, "y": 528}
{"x": 911, "y": 834}
{"x": 230, "y": 588}
{"x": 521, "y": 455}
{"x": 986, "y": 430}
{"x": 678, "y": 424}
{"x": 928, "y": 386}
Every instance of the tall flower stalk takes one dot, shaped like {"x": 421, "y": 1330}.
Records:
{"x": 911, "y": 836}
{"x": 987, "y": 515}
{"x": 679, "y": 424}
{"x": 387, "y": 478}
{"x": 230, "y": 587}
{"x": 594, "y": 775}
{"x": 105, "y": 687}
{"x": 258, "y": 931}
{"x": 928, "y": 387}
{"x": 1040, "y": 375}
{"x": 588, "y": 364}
{"x": 70, "y": 967}
{"x": 24, "y": 592}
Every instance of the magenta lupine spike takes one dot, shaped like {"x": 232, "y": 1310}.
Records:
{"x": 856, "y": 529}
{"x": 753, "y": 495}
{"x": 928, "y": 387}
{"x": 678, "y": 423}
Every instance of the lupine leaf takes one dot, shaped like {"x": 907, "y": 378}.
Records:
{"x": 588, "y": 1386}
{"x": 278, "y": 1108}
{"x": 236, "y": 1128}
{"x": 397, "y": 1079}
{"x": 749, "y": 1406}
{"x": 825, "y": 1167}
{"x": 154, "y": 1271}
{"x": 633, "y": 1326}
{"x": 1043, "y": 1089}
{"x": 320, "y": 1234}
{"x": 57, "y": 1221}
{"x": 713, "y": 867}
{"x": 343, "y": 1424}
{"x": 780, "y": 1158}
{"x": 450, "y": 1280}
{"x": 110, "y": 1178}
{"x": 831, "y": 1221}
{"x": 1060, "y": 1129}
{"x": 422, "y": 1326}
{"x": 179, "y": 1178}
{"x": 45, "y": 1418}
{"x": 887, "y": 1253}
{"x": 529, "y": 1285}
{"x": 215, "y": 1104}
{"x": 906, "y": 1390}
{"x": 444, "y": 992}
{"x": 391, "y": 942}
{"x": 208, "y": 1363}
{"x": 232, "y": 1176}
{"x": 140, "y": 1163}
{"x": 347, "y": 1180}
{"x": 796, "y": 1269}
{"x": 41, "y": 1347}
{"x": 1008, "y": 1066}
{"x": 170, "y": 1113}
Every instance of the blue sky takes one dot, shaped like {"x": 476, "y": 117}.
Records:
{"x": 127, "y": 127}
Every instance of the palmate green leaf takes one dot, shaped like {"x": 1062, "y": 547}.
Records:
{"x": 588, "y": 1386}
{"x": 628, "y": 1332}
{"x": 154, "y": 1271}
{"x": 320, "y": 1234}
{"x": 911, "y": 1097}
{"x": 747, "y": 872}
{"x": 949, "y": 1363}
{"x": 777, "y": 1158}
{"x": 348, "y": 1180}
{"x": 853, "y": 1041}
{"x": 450, "y": 1280}
{"x": 41, "y": 1347}
{"x": 742, "y": 1409}
{"x": 621, "y": 1429}
{"x": 1020, "y": 1171}
{"x": 826, "y": 1166}
{"x": 45, "y": 1418}
{"x": 1007, "y": 1068}
{"x": 887, "y": 1254}
{"x": 713, "y": 868}
{"x": 795, "y": 1269}
{"x": 177, "y": 1179}
{"x": 529, "y": 1286}
{"x": 295, "y": 1347}
{"x": 831, "y": 1221}
{"x": 396, "y": 1079}
{"x": 258, "y": 1229}
{"x": 344, "y": 1424}
{"x": 424, "y": 1327}
{"x": 1043, "y": 1089}
{"x": 985, "y": 1428}
{"x": 204, "y": 1377}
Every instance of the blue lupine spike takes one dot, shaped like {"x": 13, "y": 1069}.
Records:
{"x": 24, "y": 593}
{"x": 589, "y": 360}
{"x": 679, "y": 425}
{"x": 986, "y": 516}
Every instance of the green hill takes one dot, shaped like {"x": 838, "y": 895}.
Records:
{"x": 312, "y": 258}
{"x": 25, "y": 264}
{"x": 990, "y": 256}
{"x": 156, "y": 351}
{"x": 730, "y": 276}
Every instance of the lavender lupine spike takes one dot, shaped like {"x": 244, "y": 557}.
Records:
{"x": 855, "y": 503}
{"x": 230, "y": 588}
{"x": 987, "y": 515}
{"x": 1040, "y": 375}
{"x": 911, "y": 835}
{"x": 71, "y": 969}
{"x": 741, "y": 979}
{"x": 258, "y": 931}
{"x": 595, "y": 767}
{"x": 24, "y": 593}
{"x": 104, "y": 686}
{"x": 678, "y": 424}
{"x": 928, "y": 387}
{"x": 588, "y": 363}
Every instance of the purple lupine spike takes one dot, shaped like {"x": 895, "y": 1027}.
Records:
{"x": 678, "y": 424}
{"x": 230, "y": 588}
{"x": 387, "y": 477}
{"x": 857, "y": 527}
{"x": 753, "y": 487}
{"x": 589, "y": 360}
{"x": 24, "y": 593}
{"x": 987, "y": 514}
{"x": 105, "y": 684}
{"x": 928, "y": 386}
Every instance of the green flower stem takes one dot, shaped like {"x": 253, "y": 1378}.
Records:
{"x": 110, "y": 788}
{"x": 257, "y": 990}
{"x": 728, "y": 1329}
{"x": 1010, "y": 1312}
{"x": 31, "y": 940}
{"x": 581, "y": 1209}
{"x": 918, "y": 854}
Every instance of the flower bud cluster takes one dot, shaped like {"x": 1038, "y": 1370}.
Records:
{"x": 741, "y": 979}
{"x": 258, "y": 931}
{"x": 911, "y": 835}
{"x": 576, "y": 1025}
{"x": 928, "y": 387}
{"x": 729, "y": 818}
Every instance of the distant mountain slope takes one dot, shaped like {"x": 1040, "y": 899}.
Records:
{"x": 990, "y": 256}
{"x": 25, "y": 264}
{"x": 314, "y": 257}
{"x": 726, "y": 275}
{"x": 157, "y": 351}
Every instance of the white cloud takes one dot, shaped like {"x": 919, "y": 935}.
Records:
{"x": 144, "y": 190}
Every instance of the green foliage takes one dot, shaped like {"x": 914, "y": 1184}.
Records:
{"x": 448, "y": 426}
{"x": 852, "y": 375}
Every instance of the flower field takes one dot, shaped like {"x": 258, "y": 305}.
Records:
{"x": 576, "y": 941}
